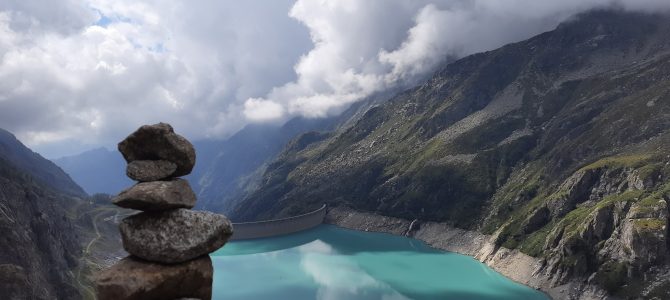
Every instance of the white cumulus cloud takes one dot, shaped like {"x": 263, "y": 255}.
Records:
{"x": 82, "y": 73}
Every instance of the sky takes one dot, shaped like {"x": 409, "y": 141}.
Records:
{"x": 79, "y": 74}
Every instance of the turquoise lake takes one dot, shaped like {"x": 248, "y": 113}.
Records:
{"x": 328, "y": 262}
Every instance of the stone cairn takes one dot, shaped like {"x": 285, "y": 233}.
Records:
{"x": 168, "y": 243}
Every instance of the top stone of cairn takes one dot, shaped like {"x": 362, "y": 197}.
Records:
{"x": 159, "y": 142}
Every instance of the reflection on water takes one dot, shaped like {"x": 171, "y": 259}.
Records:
{"x": 339, "y": 277}
{"x": 333, "y": 263}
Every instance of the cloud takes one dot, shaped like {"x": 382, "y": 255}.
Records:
{"x": 99, "y": 69}
{"x": 67, "y": 17}
{"x": 362, "y": 47}
{"x": 339, "y": 276}
{"x": 262, "y": 110}
{"x": 79, "y": 73}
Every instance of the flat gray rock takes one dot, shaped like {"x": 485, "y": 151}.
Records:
{"x": 174, "y": 236}
{"x": 159, "y": 142}
{"x": 150, "y": 170}
{"x": 132, "y": 278}
{"x": 157, "y": 196}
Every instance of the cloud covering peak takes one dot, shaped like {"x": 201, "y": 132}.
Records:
{"x": 86, "y": 72}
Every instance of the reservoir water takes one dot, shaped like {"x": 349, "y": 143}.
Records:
{"x": 328, "y": 262}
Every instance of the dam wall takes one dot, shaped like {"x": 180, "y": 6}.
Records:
{"x": 270, "y": 228}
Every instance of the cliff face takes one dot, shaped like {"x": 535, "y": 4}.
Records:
{"x": 555, "y": 146}
{"x": 40, "y": 244}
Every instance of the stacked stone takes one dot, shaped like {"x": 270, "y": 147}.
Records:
{"x": 169, "y": 243}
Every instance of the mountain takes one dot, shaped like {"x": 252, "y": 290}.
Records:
{"x": 41, "y": 246}
{"x": 97, "y": 171}
{"x": 103, "y": 171}
{"x": 231, "y": 169}
{"x": 36, "y": 166}
{"x": 556, "y": 145}
{"x": 238, "y": 161}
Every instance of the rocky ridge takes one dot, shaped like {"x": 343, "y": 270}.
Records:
{"x": 169, "y": 244}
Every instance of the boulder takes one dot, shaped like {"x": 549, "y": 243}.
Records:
{"x": 157, "y": 196}
{"x": 132, "y": 278}
{"x": 174, "y": 236}
{"x": 159, "y": 142}
{"x": 150, "y": 170}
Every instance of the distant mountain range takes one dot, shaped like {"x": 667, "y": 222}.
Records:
{"x": 556, "y": 145}
{"x": 224, "y": 169}
{"x": 97, "y": 171}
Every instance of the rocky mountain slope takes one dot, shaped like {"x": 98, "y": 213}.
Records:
{"x": 232, "y": 167}
{"x": 557, "y": 146}
{"x": 53, "y": 235}
{"x": 40, "y": 245}
{"x": 36, "y": 166}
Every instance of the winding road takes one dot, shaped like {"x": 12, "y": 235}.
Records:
{"x": 102, "y": 214}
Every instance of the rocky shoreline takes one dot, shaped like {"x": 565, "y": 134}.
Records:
{"x": 513, "y": 264}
